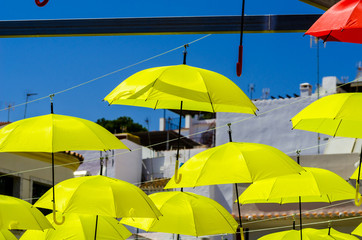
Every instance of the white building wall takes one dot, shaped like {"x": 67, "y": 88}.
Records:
{"x": 30, "y": 170}
{"x": 123, "y": 164}
{"x": 271, "y": 126}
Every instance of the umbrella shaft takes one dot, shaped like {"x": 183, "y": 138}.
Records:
{"x": 300, "y": 217}
{"x": 53, "y": 179}
{"x": 237, "y": 200}
{"x": 179, "y": 136}
{"x": 95, "y": 234}
{"x": 359, "y": 166}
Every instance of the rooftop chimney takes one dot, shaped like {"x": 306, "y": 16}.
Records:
{"x": 305, "y": 89}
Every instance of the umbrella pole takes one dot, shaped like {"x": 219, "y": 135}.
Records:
{"x": 95, "y": 234}
{"x": 239, "y": 212}
{"x": 101, "y": 173}
{"x": 53, "y": 170}
{"x": 236, "y": 191}
{"x": 358, "y": 199}
{"x": 300, "y": 217}
{"x": 178, "y": 176}
{"x": 293, "y": 221}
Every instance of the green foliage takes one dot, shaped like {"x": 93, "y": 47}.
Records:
{"x": 121, "y": 124}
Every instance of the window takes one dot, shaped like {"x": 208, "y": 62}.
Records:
{"x": 38, "y": 190}
{"x": 10, "y": 185}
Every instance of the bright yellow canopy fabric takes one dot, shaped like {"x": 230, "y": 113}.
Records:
{"x": 19, "y": 214}
{"x": 234, "y": 162}
{"x": 81, "y": 227}
{"x": 165, "y": 88}
{"x": 308, "y": 234}
{"x": 188, "y": 214}
{"x": 333, "y": 234}
{"x": 313, "y": 185}
{"x": 6, "y": 235}
{"x": 100, "y": 195}
{"x": 55, "y": 133}
{"x": 358, "y": 230}
{"x": 336, "y": 115}
{"x": 355, "y": 174}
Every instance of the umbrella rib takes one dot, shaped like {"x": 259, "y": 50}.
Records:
{"x": 116, "y": 229}
{"x": 329, "y": 34}
{"x": 208, "y": 93}
{"x": 154, "y": 82}
{"x": 335, "y": 132}
{"x": 37, "y": 220}
{"x": 226, "y": 220}
{"x": 193, "y": 216}
{"x": 96, "y": 135}
{"x": 212, "y": 105}
{"x": 152, "y": 209}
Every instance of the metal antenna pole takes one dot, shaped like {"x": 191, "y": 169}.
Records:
{"x": 26, "y": 102}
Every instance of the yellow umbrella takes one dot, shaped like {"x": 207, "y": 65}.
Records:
{"x": 166, "y": 87}
{"x": 100, "y": 195}
{"x": 55, "y": 133}
{"x": 19, "y": 214}
{"x": 334, "y": 234}
{"x": 336, "y": 115}
{"x": 181, "y": 87}
{"x": 234, "y": 162}
{"x": 309, "y": 234}
{"x": 358, "y": 230}
{"x": 186, "y": 213}
{"x": 6, "y": 235}
{"x": 81, "y": 227}
{"x": 313, "y": 185}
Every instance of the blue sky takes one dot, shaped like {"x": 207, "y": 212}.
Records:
{"x": 47, "y": 65}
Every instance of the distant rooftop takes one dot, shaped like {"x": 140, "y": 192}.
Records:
{"x": 157, "y": 140}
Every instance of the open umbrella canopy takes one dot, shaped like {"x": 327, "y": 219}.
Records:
{"x": 81, "y": 227}
{"x": 166, "y": 87}
{"x": 6, "y": 235}
{"x": 186, "y": 213}
{"x": 313, "y": 185}
{"x": 342, "y": 23}
{"x": 308, "y": 234}
{"x": 19, "y": 214}
{"x": 100, "y": 195}
{"x": 234, "y": 162}
{"x": 55, "y": 133}
{"x": 336, "y": 115}
{"x": 358, "y": 230}
{"x": 334, "y": 234}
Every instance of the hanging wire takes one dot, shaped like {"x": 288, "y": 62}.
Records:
{"x": 167, "y": 141}
{"x": 111, "y": 73}
{"x": 261, "y": 229}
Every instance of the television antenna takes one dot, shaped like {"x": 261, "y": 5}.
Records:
{"x": 26, "y": 102}
{"x": 251, "y": 90}
{"x": 266, "y": 92}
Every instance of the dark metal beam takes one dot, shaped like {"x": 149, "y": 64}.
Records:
{"x": 155, "y": 26}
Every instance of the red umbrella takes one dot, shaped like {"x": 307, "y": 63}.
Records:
{"x": 341, "y": 23}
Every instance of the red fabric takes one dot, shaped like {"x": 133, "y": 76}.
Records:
{"x": 41, "y": 4}
{"x": 239, "y": 64}
{"x": 341, "y": 23}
